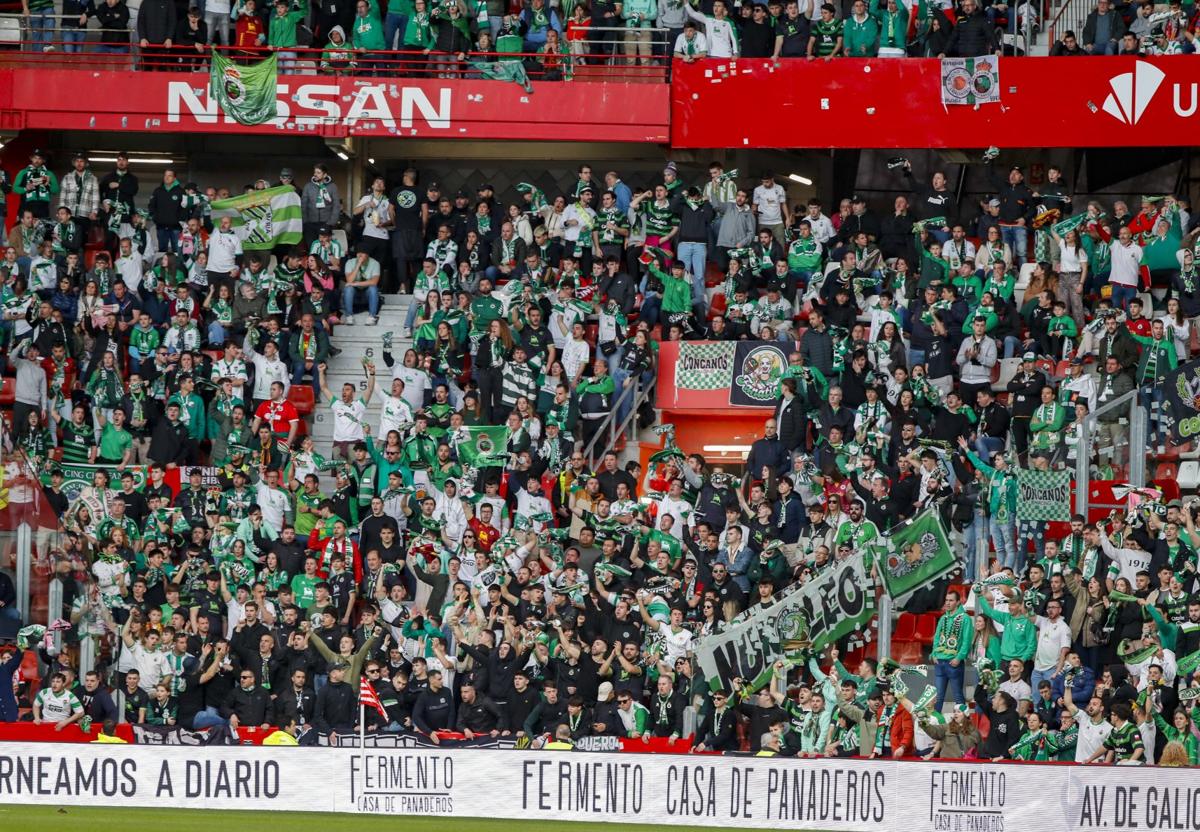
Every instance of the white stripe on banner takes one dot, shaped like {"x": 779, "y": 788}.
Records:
{"x": 834, "y": 795}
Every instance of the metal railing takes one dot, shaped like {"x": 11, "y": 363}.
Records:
{"x": 1136, "y": 440}
{"x": 613, "y": 427}
{"x": 1070, "y": 18}
{"x": 603, "y": 54}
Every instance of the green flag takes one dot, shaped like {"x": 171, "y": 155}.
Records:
{"x": 245, "y": 92}
{"x": 1074, "y": 221}
{"x": 918, "y": 552}
{"x": 484, "y": 446}
{"x": 263, "y": 219}
{"x": 504, "y": 71}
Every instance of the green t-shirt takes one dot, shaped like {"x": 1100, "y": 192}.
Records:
{"x": 304, "y": 589}
{"x": 114, "y": 441}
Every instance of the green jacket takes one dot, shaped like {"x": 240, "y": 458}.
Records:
{"x": 893, "y": 26}
{"x": 282, "y": 30}
{"x": 1019, "y": 639}
{"x": 861, "y": 39}
{"x": 1002, "y": 485}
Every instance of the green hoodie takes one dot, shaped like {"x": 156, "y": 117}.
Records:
{"x": 639, "y": 14}
{"x": 367, "y": 32}
{"x": 281, "y": 31}
{"x": 861, "y": 38}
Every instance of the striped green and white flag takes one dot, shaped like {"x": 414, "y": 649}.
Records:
{"x": 263, "y": 219}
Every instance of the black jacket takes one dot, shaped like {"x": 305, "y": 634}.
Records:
{"x": 169, "y": 443}
{"x": 434, "y": 711}
{"x": 1027, "y": 393}
{"x": 252, "y": 707}
{"x": 1016, "y": 201}
{"x": 972, "y": 36}
{"x": 791, "y": 425}
{"x": 114, "y": 31}
{"x": 165, "y": 203}
{"x": 156, "y": 22}
{"x": 817, "y": 350}
{"x": 336, "y": 708}
{"x": 481, "y": 716}
{"x": 290, "y": 704}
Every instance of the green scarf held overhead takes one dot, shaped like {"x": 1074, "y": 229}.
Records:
{"x": 1188, "y": 665}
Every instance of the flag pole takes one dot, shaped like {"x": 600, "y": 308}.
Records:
{"x": 362, "y": 722}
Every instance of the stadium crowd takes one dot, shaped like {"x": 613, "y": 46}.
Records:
{"x": 509, "y": 588}
{"x": 416, "y": 37}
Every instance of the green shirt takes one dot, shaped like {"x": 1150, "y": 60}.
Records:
{"x": 304, "y": 589}
{"x": 1019, "y": 639}
{"x": 114, "y": 441}
{"x": 825, "y": 36}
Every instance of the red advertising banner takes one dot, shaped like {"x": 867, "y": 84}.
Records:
{"x": 897, "y": 103}
{"x": 336, "y": 107}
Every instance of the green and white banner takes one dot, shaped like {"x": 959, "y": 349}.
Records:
{"x": 917, "y": 553}
{"x": 77, "y": 477}
{"x": 245, "y": 91}
{"x": 971, "y": 80}
{"x": 705, "y": 365}
{"x": 1043, "y": 495}
{"x": 832, "y": 605}
{"x": 263, "y": 219}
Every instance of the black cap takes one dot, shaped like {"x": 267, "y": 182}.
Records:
{"x": 432, "y": 186}
{"x": 37, "y": 151}
{"x": 462, "y": 195}
{"x": 858, "y": 198}
{"x": 323, "y": 230}
{"x": 485, "y": 187}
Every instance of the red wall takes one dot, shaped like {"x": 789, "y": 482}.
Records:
{"x": 896, "y": 103}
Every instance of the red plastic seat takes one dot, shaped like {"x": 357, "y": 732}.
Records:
{"x": 8, "y": 392}
{"x": 1166, "y": 471}
{"x": 906, "y": 627}
{"x": 907, "y": 652}
{"x": 302, "y": 398}
{"x": 927, "y": 626}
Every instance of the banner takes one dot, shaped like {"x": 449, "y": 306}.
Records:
{"x": 919, "y": 552}
{"x": 758, "y": 371}
{"x": 704, "y": 365}
{"x": 76, "y": 477}
{"x": 1182, "y": 390}
{"x": 263, "y": 219}
{"x": 971, "y": 80}
{"x": 1043, "y": 495}
{"x": 832, "y": 605}
{"x": 244, "y": 91}
{"x": 547, "y": 786}
{"x": 483, "y": 446}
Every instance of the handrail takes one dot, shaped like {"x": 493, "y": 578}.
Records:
{"x": 1069, "y": 19}
{"x": 1083, "y": 451}
{"x": 640, "y": 393}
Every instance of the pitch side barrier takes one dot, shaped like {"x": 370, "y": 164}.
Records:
{"x": 695, "y": 790}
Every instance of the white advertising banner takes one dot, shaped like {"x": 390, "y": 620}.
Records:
{"x": 700, "y": 790}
